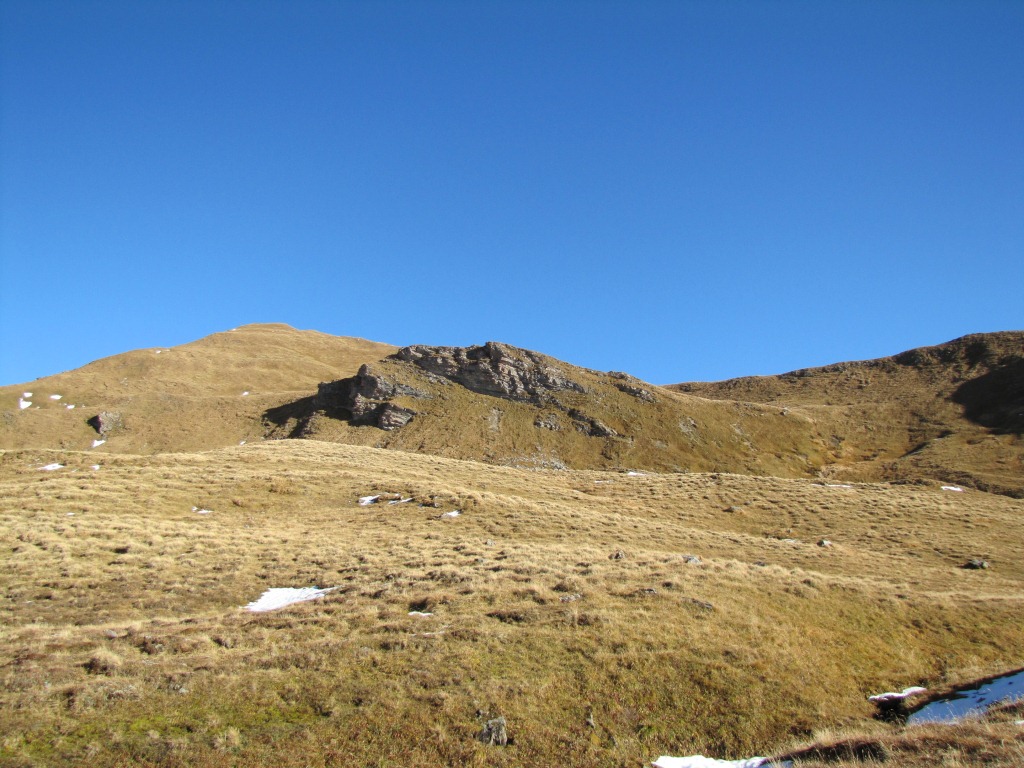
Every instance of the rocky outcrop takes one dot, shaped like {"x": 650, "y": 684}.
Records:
{"x": 365, "y": 399}
{"x": 107, "y": 422}
{"x": 493, "y": 369}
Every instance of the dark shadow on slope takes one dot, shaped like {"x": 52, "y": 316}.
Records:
{"x": 996, "y": 399}
{"x": 290, "y": 419}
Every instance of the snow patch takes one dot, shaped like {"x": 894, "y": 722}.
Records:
{"x": 26, "y": 394}
{"x": 199, "y": 511}
{"x": 51, "y": 467}
{"x": 56, "y": 397}
{"x": 280, "y": 597}
{"x": 244, "y": 394}
{"x": 98, "y": 443}
{"x": 636, "y": 474}
{"x": 400, "y": 501}
{"x": 699, "y": 761}
{"x": 952, "y": 488}
{"x": 891, "y": 696}
{"x": 95, "y": 467}
{"x": 453, "y": 513}
{"x": 365, "y": 501}
{"x": 421, "y": 614}
{"x": 837, "y": 485}
{"x": 23, "y": 404}
{"x": 70, "y": 407}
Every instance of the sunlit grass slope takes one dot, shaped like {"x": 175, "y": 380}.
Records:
{"x": 954, "y": 411}
{"x": 181, "y": 398}
{"x": 610, "y": 618}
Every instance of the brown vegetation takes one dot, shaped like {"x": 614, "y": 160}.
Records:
{"x": 787, "y": 551}
{"x": 558, "y": 599}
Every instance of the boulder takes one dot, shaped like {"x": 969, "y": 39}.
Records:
{"x": 106, "y": 422}
{"x": 494, "y": 733}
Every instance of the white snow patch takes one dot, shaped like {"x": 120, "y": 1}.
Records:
{"x": 56, "y": 397}
{"x": 71, "y": 514}
{"x": 837, "y": 485}
{"x": 279, "y": 597}
{"x": 98, "y": 443}
{"x": 159, "y": 351}
{"x": 421, "y": 614}
{"x": 365, "y": 501}
{"x": 453, "y": 513}
{"x": 891, "y": 696}
{"x": 245, "y": 393}
{"x": 95, "y": 467}
{"x": 952, "y": 488}
{"x": 699, "y": 761}
{"x": 70, "y": 407}
{"x": 400, "y": 501}
{"x": 23, "y": 404}
{"x": 26, "y": 394}
{"x": 51, "y": 467}
{"x": 241, "y": 442}
{"x": 636, "y": 474}
{"x": 199, "y": 511}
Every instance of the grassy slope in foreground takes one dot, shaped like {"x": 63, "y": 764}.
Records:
{"x": 558, "y": 599}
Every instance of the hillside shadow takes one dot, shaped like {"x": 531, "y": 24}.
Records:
{"x": 290, "y": 417}
{"x": 996, "y": 399}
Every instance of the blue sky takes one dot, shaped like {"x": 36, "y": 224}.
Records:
{"x": 680, "y": 190}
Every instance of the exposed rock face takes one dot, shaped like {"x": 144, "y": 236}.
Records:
{"x": 631, "y": 386}
{"x": 590, "y": 426}
{"x": 492, "y": 369}
{"x": 365, "y": 399}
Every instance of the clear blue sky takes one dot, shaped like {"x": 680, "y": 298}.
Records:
{"x": 680, "y": 190}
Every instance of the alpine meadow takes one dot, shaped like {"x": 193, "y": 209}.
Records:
{"x": 276, "y": 547}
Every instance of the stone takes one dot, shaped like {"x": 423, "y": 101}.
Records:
{"x": 547, "y": 421}
{"x": 106, "y": 422}
{"x": 590, "y": 426}
{"x": 975, "y": 564}
{"x": 638, "y": 392}
{"x": 691, "y": 560}
{"x": 494, "y": 733}
{"x": 618, "y": 554}
{"x": 393, "y": 416}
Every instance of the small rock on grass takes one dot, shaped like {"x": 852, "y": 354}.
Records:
{"x": 494, "y": 733}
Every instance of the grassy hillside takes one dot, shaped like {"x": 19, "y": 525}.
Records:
{"x": 610, "y": 618}
{"x": 946, "y": 414}
{"x": 953, "y": 412}
{"x": 181, "y": 398}
{"x": 594, "y": 420}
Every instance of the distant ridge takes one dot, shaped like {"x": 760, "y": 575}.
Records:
{"x": 948, "y": 413}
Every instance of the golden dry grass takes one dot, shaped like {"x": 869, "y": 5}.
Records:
{"x": 184, "y": 398}
{"x": 562, "y": 600}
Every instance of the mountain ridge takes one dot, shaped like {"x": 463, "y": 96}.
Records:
{"x": 950, "y": 412}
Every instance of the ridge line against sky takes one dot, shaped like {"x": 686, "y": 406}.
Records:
{"x": 680, "y": 190}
